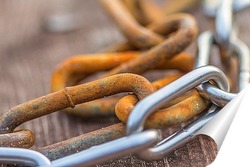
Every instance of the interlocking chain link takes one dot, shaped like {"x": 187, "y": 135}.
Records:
{"x": 230, "y": 45}
{"x": 156, "y": 46}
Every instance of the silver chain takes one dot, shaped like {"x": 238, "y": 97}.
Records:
{"x": 225, "y": 37}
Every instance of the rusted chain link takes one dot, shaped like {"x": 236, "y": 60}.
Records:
{"x": 82, "y": 142}
{"x": 73, "y": 145}
{"x": 160, "y": 57}
{"x": 22, "y": 138}
{"x": 180, "y": 31}
{"x": 76, "y": 68}
{"x": 71, "y": 96}
{"x": 157, "y": 56}
{"x": 182, "y": 109}
{"x": 138, "y": 35}
{"x": 178, "y": 111}
{"x": 143, "y": 38}
{"x": 94, "y": 108}
{"x": 183, "y": 31}
{"x": 76, "y": 144}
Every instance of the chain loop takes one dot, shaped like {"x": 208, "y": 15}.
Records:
{"x": 77, "y": 94}
{"x": 21, "y": 138}
{"x": 82, "y": 142}
{"x": 76, "y": 68}
{"x": 224, "y": 23}
{"x": 228, "y": 41}
{"x": 154, "y": 101}
{"x": 89, "y": 157}
{"x": 144, "y": 38}
{"x": 180, "y": 110}
{"x": 146, "y": 107}
{"x": 112, "y": 149}
{"x": 23, "y": 156}
{"x": 136, "y": 34}
{"x": 185, "y": 29}
{"x": 216, "y": 95}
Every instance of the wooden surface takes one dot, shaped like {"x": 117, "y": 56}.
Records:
{"x": 28, "y": 55}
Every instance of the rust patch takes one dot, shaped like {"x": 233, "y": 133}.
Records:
{"x": 22, "y": 138}
{"x": 180, "y": 110}
{"x": 82, "y": 142}
{"x": 78, "y": 94}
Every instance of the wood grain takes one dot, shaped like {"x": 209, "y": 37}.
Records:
{"x": 28, "y": 55}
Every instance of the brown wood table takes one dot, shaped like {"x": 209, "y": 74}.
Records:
{"x": 28, "y": 55}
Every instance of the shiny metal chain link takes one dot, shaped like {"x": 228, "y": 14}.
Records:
{"x": 225, "y": 38}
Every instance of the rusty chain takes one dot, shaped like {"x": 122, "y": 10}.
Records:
{"x": 182, "y": 26}
{"x": 178, "y": 111}
{"x": 71, "y": 96}
{"x": 158, "y": 45}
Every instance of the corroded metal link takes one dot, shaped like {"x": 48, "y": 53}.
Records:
{"x": 71, "y": 96}
{"x": 88, "y": 140}
{"x": 82, "y": 142}
{"x": 173, "y": 115}
{"x": 185, "y": 83}
{"x": 106, "y": 106}
{"x": 180, "y": 110}
{"x": 98, "y": 108}
{"x": 138, "y": 35}
{"x": 141, "y": 37}
{"x": 185, "y": 29}
{"x": 22, "y": 138}
{"x": 76, "y": 68}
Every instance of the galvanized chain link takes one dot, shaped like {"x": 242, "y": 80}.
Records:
{"x": 225, "y": 37}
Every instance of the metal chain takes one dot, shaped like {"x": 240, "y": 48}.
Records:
{"x": 226, "y": 39}
{"x": 135, "y": 124}
{"x": 133, "y": 143}
{"x": 138, "y": 141}
{"x": 184, "y": 27}
{"x": 89, "y": 157}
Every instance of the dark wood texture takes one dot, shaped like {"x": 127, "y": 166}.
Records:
{"x": 28, "y": 55}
